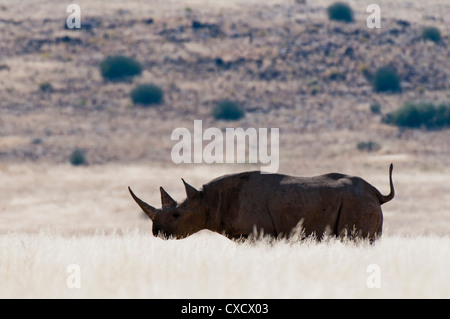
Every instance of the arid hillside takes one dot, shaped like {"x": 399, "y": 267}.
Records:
{"x": 285, "y": 62}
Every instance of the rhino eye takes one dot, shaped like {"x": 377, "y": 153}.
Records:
{"x": 176, "y": 215}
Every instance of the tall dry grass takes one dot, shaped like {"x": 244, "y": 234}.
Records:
{"x": 207, "y": 265}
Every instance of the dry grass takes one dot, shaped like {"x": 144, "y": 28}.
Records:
{"x": 207, "y": 265}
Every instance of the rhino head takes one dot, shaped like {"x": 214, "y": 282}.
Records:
{"x": 173, "y": 219}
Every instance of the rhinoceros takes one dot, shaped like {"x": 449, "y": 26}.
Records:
{"x": 237, "y": 205}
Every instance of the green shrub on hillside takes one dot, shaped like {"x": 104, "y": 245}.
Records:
{"x": 431, "y": 33}
{"x": 228, "y": 110}
{"x": 46, "y": 87}
{"x": 78, "y": 157}
{"x": 119, "y": 67}
{"x": 147, "y": 94}
{"x": 422, "y": 114}
{"x": 340, "y": 11}
{"x": 375, "y": 108}
{"x": 386, "y": 79}
{"x": 369, "y": 146}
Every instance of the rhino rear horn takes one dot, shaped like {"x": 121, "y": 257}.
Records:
{"x": 150, "y": 211}
{"x": 191, "y": 192}
{"x": 166, "y": 200}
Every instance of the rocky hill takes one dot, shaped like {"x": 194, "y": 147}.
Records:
{"x": 283, "y": 61}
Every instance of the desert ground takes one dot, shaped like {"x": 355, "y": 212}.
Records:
{"x": 281, "y": 55}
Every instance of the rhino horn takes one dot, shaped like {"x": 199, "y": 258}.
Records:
{"x": 166, "y": 200}
{"x": 191, "y": 192}
{"x": 150, "y": 211}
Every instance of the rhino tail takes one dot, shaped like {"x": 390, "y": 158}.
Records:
{"x": 386, "y": 198}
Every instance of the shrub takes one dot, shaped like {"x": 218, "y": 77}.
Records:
{"x": 431, "y": 33}
{"x": 420, "y": 89}
{"x": 46, "y": 87}
{"x": 415, "y": 115}
{"x": 375, "y": 108}
{"x": 119, "y": 67}
{"x": 369, "y": 146}
{"x": 340, "y": 11}
{"x": 315, "y": 89}
{"x": 335, "y": 75}
{"x": 147, "y": 94}
{"x": 228, "y": 110}
{"x": 78, "y": 157}
{"x": 386, "y": 80}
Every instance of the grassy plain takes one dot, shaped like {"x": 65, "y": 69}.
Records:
{"x": 207, "y": 265}
{"x": 53, "y": 217}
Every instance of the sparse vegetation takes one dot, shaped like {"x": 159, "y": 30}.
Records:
{"x": 315, "y": 89}
{"x": 340, "y": 11}
{"x": 228, "y": 110}
{"x": 375, "y": 108}
{"x": 37, "y": 141}
{"x": 369, "y": 146}
{"x": 431, "y": 34}
{"x": 119, "y": 67}
{"x": 336, "y": 75}
{"x": 147, "y": 94}
{"x": 422, "y": 114}
{"x": 46, "y": 87}
{"x": 386, "y": 79}
{"x": 364, "y": 68}
{"x": 78, "y": 157}
{"x": 420, "y": 89}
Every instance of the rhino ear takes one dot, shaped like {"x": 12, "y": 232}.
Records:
{"x": 166, "y": 200}
{"x": 191, "y": 192}
{"x": 150, "y": 211}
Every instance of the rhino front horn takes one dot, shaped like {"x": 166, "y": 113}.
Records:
{"x": 150, "y": 211}
{"x": 191, "y": 192}
{"x": 166, "y": 200}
